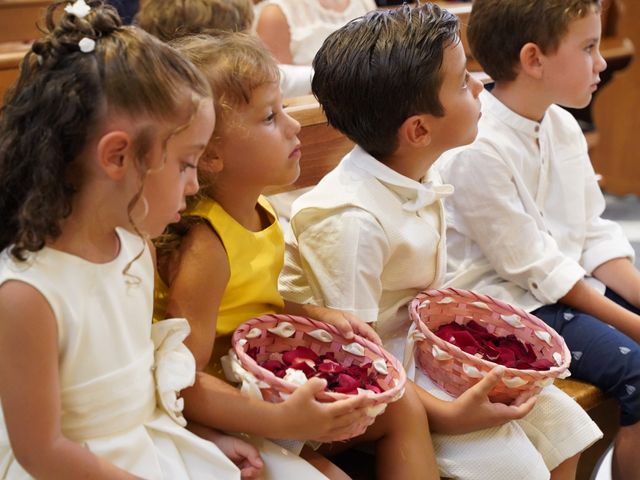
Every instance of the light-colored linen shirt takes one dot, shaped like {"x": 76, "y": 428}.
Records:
{"x": 310, "y": 23}
{"x": 525, "y": 223}
{"x": 366, "y": 239}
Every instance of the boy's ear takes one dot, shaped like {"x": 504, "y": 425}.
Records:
{"x": 113, "y": 149}
{"x": 531, "y": 60}
{"x": 415, "y": 131}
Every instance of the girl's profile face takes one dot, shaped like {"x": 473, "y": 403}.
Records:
{"x": 258, "y": 142}
{"x": 166, "y": 187}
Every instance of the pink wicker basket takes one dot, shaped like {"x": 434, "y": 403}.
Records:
{"x": 455, "y": 370}
{"x": 267, "y": 344}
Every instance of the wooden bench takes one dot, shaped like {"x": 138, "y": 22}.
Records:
{"x": 322, "y": 149}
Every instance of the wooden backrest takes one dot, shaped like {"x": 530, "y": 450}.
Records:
{"x": 18, "y": 19}
{"x": 9, "y": 69}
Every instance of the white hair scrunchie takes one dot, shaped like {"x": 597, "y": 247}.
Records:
{"x": 79, "y": 8}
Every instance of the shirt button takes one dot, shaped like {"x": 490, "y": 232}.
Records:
{"x": 534, "y": 285}
{"x": 536, "y": 128}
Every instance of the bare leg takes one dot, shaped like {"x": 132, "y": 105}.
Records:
{"x": 323, "y": 464}
{"x": 567, "y": 469}
{"x": 626, "y": 459}
{"x": 402, "y": 441}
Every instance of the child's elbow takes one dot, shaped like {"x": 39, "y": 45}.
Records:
{"x": 34, "y": 456}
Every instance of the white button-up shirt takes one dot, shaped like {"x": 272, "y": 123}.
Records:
{"x": 525, "y": 222}
{"x": 366, "y": 239}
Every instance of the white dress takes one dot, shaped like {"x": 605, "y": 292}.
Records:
{"x": 117, "y": 385}
{"x": 310, "y": 23}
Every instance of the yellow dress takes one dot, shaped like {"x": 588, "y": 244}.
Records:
{"x": 255, "y": 261}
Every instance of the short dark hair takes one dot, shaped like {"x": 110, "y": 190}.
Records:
{"x": 498, "y": 29}
{"x": 379, "y": 69}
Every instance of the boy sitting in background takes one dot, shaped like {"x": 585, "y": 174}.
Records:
{"x": 370, "y": 235}
{"x": 525, "y": 223}
{"x": 168, "y": 20}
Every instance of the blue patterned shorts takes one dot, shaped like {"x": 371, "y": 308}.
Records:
{"x": 600, "y": 354}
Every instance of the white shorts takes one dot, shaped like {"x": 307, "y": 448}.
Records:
{"x": 556, "y": 429}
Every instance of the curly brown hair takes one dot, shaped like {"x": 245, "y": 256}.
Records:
{"x": 58, "y": 100}
{"x": 170, "y": 19}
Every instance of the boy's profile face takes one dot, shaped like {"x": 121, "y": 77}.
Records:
{"x": 459, "y": 97}
{"x": 571, "y": 73}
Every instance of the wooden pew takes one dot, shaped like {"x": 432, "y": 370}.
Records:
{"x": 18, "y": 19}
{"x": 322, "y": 149}
{"x": 9, "y": 67}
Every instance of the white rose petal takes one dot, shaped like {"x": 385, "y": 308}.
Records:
{"x": 513, "y": 320}
{"x": 284, "y": 330}
{"x": 440, "y": 354}
{"x": 514, "y": 382}
{"x": 295, "y": 376}
{"x": 380, "y": 365}
{"x": 255, "y": 332}
{"x": 354, "y": 348}
{"x": 482, "y": 305}
{"x": 565, "y": 374}
{"x": 472, "y": 371}
{"x": 321, "y": 335}
{"x": 445, "y": 301}
{"x": 544, "y": 336}
{"x": 418, "y": 336}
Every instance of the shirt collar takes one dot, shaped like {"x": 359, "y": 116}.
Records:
{"x": 497, "y": 109}
{"x": 413, "y": 195}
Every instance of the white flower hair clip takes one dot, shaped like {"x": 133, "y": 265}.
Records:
{"x": 87, "y": 45}
{"x": 79, "y": 8}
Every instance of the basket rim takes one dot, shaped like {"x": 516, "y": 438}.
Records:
{"x": 473, "y": 296}
{"x": 288, "y": 387}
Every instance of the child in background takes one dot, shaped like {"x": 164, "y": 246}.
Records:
{"x": 525, "y": 224}
{"x": 294, "y": 29}
{"x": 370, "y": 235}
{"x": 85, "y": 163}
{"x": 167, "y": 20}
{"x": 231, "y": 252}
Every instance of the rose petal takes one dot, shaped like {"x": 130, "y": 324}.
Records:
{"x": 283, "y": 329}
{"x": 321, "y": 335}
{"x": 255, "y": 332}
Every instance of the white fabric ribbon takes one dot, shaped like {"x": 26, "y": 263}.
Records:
{"x": 236, "y": 373}
{"x": 174, "y": 365}
{"x": 425, "y": 196}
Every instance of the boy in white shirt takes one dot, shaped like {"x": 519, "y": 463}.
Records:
{"x": 525, "y": 223}
{"x": 370, "y": 235}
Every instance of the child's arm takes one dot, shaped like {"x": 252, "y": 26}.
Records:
{"x": 345, "y": 322}
{"x": 195, "y": 293}
{"x": 586, "y": 299}
{"x": 621, "y": 276}
{"x": 29, "y": 388}
{"x": 244, "y": 455}
{"x": 273, "y": 29}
